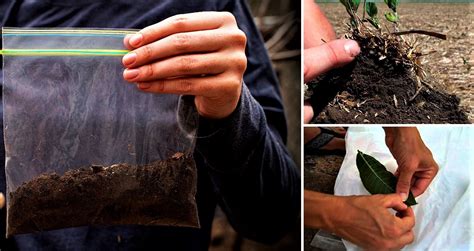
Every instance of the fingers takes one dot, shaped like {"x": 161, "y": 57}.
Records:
{"x": 185, "y": 43}
{"x": 420, "y": 186}
{"x": 407, "y": 219}
{"x": 308, "y": 112}
{"x": 404, "y": 181}
{"x": 187, "y": 65}
{"x": 394, "y": 201}
{"x": 181, "y": 23}
{"x": 210, "y": 86}
{"x": 405, "y": 239}
{"x": 323, "y": 58}
{"x": 126, "y": 42}
{"x": 2, "y": 200}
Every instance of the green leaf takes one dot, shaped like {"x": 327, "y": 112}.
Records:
{"x": 350, "y": 4}
{"x": 376, "y": 178}
{"x": 355, "y": 4}
{"x": 371, "y": 9}
{"x": 392, "y": 4}
{"x": 391, "y": 16}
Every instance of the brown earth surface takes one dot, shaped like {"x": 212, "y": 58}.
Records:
{"x": 450, "y": 61}
{"x": 159, "y": 193}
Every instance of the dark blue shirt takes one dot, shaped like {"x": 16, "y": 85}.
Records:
{"x": 243, "y": 164}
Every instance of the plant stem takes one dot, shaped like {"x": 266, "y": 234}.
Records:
{"x": 423, "y": 32}
{"x": 363, "y": 11}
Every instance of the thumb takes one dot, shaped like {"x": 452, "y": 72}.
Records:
{"x": 404, "y": 183}
{"x": 395, "y": 201}
{"x": 320, "y": 59}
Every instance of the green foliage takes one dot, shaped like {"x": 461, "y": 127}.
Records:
{"x": 391, "y": 16}
{"x": 392, "y": 4}
{"x": 351, "y": 5}
{"x": 376, "y": 178}
{"x": 371, "y": 10}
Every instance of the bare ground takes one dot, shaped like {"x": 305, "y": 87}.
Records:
{"x": 450, "y": 61}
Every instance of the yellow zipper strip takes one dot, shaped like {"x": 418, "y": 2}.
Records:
{"x": 62, "y": 52}
{"x": 62, "y": 31}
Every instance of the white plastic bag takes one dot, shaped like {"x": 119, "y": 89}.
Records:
{"x": 444, "y": 212}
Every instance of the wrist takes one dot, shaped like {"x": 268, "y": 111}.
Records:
{"x": 322, "y": 211}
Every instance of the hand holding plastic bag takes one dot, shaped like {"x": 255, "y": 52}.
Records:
{"x": 84, "y": 147}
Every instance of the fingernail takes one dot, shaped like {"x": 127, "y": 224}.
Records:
{"x": 130, "y": 74}
{"x": 404, "y": 196}
{"x": 352, "y": 48}
{"x": 135, "y": 40}
{"x": 129, "y": 59}
{"x": 143, "y": 86}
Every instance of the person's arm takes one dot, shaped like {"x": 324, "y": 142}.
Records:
{"x": 323, "y": 51}
{"x": 416, "y": 166}
{"x": 362, "y": 220}
{"x": 241, "y": 130}
{"x": 257, "y": 181}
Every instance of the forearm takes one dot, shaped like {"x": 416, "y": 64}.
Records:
{"x": 319, "y": 210}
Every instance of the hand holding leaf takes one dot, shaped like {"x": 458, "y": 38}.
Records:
{"x": 376, "y": 178}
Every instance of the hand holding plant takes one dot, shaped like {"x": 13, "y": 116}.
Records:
{"x": 363, "y": 220}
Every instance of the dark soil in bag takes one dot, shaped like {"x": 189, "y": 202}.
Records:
{"x": 370, "y": 90}
{"x": 161, "y": 192}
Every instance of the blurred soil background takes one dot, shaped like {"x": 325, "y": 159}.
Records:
{"x": 279, "y": 23}
{"x": 450, "y": 61}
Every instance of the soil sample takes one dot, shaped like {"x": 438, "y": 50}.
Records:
{"x": 159, "y": 193}
{"x": 380, "y": 86}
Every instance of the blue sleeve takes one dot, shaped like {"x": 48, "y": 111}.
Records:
{"x": 257, "y": 182}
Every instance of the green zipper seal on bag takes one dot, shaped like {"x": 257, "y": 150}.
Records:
{"x": 84, "y": 32}
{"x": 62, "y": 52}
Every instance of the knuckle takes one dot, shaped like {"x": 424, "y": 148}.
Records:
{"x": 149, "y": 71}
{"x": 238, "y": 37}
{"x": 185, "y": 86}
{"x": 186, "y": 64}
{"x": 181, "y": 42}
{"x": 146, "y": 52}
{"x": 179, "y": 21}
{"x": 330, "y": 54}
{"x": 234, "y": 84}
{"x": 160, "y": 86}
{"x": 239, "y": 62}
{"x": 228, "y": 17}
{"x": 411, "y": 239}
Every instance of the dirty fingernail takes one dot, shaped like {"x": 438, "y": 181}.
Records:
{"x": 136, "y": 39}
{"x": 129, "y": 59}
{"x": 130, "y": 74}
{"x": 352, "y": 48}
{"x": 404, "y": 196}
{"x": 143, "y": 86}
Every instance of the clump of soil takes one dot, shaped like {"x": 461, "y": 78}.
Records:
{"x": 381, "y": 86}
{"x": 159, "y": 193}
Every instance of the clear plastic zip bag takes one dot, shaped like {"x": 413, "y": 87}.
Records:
{"x": 84, "y": 147}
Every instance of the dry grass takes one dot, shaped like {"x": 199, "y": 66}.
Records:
{"x": 447, "y": 61}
